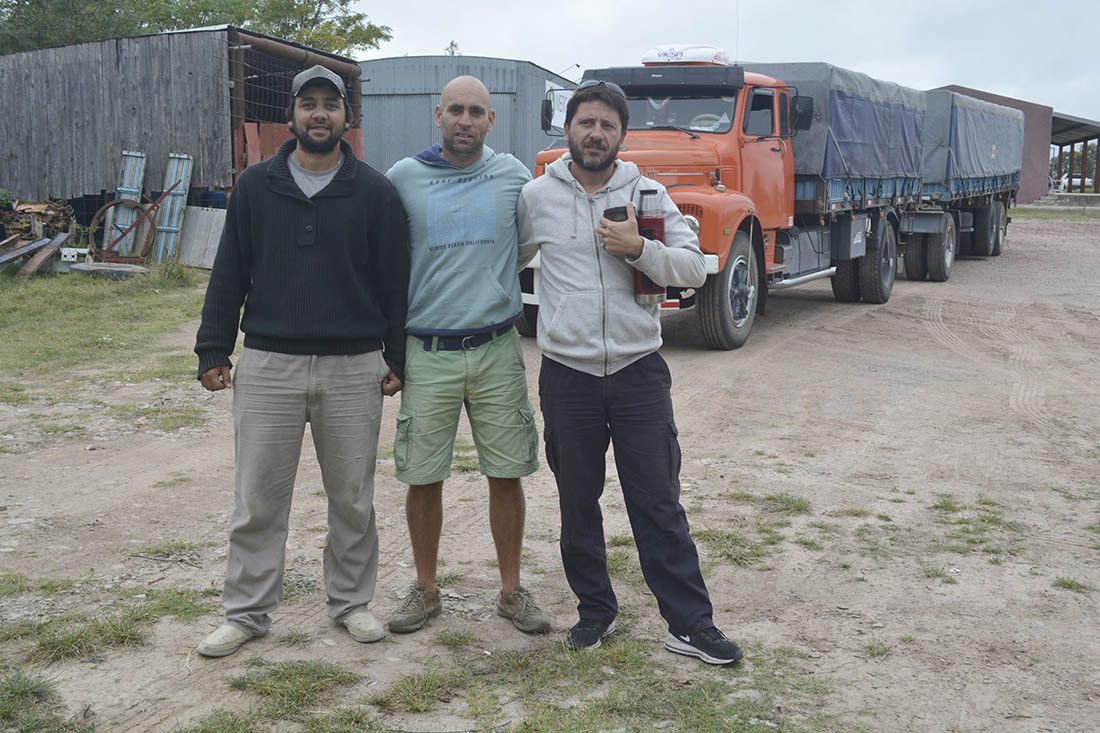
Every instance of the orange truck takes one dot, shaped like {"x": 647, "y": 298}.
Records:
{"x": 790, "y": 173}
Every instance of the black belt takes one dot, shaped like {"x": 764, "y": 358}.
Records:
{"x": 461, "y": 343}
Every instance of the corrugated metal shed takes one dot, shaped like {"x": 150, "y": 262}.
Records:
{"x": 400, "y": 95}
{"x": 82, "y": 105}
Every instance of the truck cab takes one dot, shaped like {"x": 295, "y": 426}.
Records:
{"x": 719, "y": 140}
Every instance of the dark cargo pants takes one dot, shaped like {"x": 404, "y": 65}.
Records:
{"x": 632, "y": 409}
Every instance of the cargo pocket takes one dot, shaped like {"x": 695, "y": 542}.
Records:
{"x": 401, "y": 442}
{"x": 530, "y": 433}
{"x": 673, "y": 453}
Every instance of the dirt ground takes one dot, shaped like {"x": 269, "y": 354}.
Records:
{"x": 946, "y": 442}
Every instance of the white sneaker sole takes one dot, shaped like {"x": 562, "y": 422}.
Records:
{"x": 682, "y": 647}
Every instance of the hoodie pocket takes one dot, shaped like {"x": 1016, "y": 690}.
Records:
{"x": 576, "y": 329}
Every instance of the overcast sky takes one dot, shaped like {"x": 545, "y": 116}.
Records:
{"x": 1043, "y": 52}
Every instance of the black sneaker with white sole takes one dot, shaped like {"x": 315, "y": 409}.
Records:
{"x": 587, "y": 634}
{"x": 710, "y": 645}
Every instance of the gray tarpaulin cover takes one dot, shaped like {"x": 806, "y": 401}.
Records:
{"x": 862, "y": 127}
{"x": 970, "y": 138}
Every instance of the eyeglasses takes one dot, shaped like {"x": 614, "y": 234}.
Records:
{"x": 600, "y": 83}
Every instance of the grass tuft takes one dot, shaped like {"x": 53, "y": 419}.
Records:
{"x": 12, "y": 584}
{"x": 418, "y": 693}
{"x": 456, "y": 640}
{"x": 1070, "y": 584}
{"x": 787, "y": 504}
{"x": 289, "y": 687}
{"x": 86, "y": 639}
{"x": 170, "y": 549}
{"x": 226, "y": 721}
{"x": 732, "y": 546}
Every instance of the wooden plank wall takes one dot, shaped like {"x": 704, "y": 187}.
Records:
{"x": 81, "y": 105}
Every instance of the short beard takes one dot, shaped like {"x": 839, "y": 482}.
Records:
{"x": 317, "y": 147}
{"x": 595, "y": 166}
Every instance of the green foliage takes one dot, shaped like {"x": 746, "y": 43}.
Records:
{"x": 327, "y": 25}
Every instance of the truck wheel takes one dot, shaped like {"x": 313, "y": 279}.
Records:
{"x": 879, "y": 267}
{"x": 727, "y": 301}
{"x": 528, "y": 323}
{"x": 1000, "y": 220}
{"x": 985, "y": 230}
{"x": 941, "y": 251}
{"x": 846, "y": 281}
{"x": 916, "y": 257}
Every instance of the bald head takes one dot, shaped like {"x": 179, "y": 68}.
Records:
{"x": 464, "y": 116}
{"x": 466, "y": 87}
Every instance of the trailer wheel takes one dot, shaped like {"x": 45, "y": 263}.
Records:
{"x": 879, "y": 267}
{"x": 727, "y": 301}
{"x": 941, "y": 251}
{"x": 528, "y": 323}
{"x": 916, "y": 257}
{"x": 985, "y": 230}
{"x": 846, "y": 281}
{"x": 1000, "y": 220}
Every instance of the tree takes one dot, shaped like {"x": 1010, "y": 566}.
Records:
{"x": 26, "y": 25}
{"x": 327, "y": 25}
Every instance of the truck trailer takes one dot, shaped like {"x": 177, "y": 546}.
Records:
{"x": 795, "y": 172}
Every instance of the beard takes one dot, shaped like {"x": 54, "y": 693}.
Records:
{"x": 592, "y": 159}
{"x": 312, "y": 145}
{"x": 462, "y": 147}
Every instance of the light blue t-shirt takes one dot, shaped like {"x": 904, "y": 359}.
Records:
{"x": 463, "y": 241}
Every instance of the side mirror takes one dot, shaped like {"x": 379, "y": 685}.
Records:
{"x": 802, "y": 112}
{"x": 547, "y": 115}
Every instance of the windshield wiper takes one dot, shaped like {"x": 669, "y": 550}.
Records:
{"x": 672, "y": 127}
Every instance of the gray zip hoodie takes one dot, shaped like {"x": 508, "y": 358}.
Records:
{"x": 588, "y": 319}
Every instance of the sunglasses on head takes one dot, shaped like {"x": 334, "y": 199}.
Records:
{"x": 600, "y": 83}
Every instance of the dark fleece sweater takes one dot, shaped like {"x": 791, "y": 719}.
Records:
{"x": 327, "y": 275}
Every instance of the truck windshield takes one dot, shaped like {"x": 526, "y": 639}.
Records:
{"x": 696, "y": 113}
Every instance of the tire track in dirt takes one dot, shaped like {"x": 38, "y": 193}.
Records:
{"x": 1027, "y": 395}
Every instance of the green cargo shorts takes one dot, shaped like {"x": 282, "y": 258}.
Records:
{"x": 491, "y": 381}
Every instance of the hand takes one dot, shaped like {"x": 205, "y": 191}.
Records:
{"x": 216, "y": 378}
{"x": 391, "y": 385}
{"x": 621, "y": 237}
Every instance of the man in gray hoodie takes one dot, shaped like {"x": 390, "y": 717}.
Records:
{"x": 602, "y": 379}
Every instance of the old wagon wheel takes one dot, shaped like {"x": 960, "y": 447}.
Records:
{"x": 146, "y": 214}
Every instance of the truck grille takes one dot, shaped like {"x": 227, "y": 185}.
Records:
{"x": 691, "y": 210}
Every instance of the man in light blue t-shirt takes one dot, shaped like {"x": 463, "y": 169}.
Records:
{"x": 464, "y": 297}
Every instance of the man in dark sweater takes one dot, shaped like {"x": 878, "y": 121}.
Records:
{"x": 315, "y": 247}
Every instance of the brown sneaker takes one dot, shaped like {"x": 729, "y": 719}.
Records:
{"x": 419, "y": 606}
{"x": 523, "y": 611}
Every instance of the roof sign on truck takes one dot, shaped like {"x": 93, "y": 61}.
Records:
{"x": 685, "y": 53}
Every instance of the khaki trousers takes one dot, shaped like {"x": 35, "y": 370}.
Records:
{"x": 274, "y": 395}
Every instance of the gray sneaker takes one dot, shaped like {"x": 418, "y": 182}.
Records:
{"x": 523, "y": 611}
{"x": 419, "y": 606}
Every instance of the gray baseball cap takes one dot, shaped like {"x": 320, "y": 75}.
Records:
{"x": 317, "y": 72}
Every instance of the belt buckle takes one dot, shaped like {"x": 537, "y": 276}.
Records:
{"x": 465, "y": 345}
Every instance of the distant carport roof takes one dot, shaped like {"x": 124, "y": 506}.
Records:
{"x": 1065, "y": 130}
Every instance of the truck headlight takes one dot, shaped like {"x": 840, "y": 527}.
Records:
{"x": 692, "y": 223}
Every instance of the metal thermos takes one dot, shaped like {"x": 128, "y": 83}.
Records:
{"x": 651, "y": 225}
